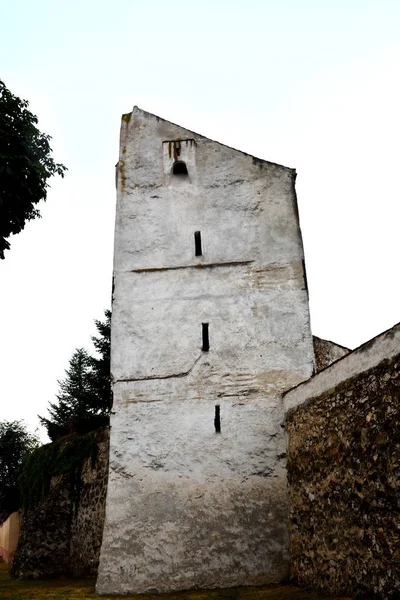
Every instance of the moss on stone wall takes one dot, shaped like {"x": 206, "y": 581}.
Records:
{"x": 64, "y": 456}
{"x": 64, "y": 491}
{"x": 126, "y": 118}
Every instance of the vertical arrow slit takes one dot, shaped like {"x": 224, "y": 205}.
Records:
{"x": 197, "y": 243}
{"x": 217, "y": 419}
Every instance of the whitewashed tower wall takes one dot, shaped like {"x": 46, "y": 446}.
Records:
{"x": 189, "y": 506}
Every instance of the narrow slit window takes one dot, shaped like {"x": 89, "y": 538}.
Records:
{"x": 206, "y": 339}
{"x": 217, "y": 419}
{"x": 197, "y": 243}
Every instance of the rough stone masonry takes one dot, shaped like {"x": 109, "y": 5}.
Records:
{"x": 343, "y": 428}
{"x": 210, "y": 324}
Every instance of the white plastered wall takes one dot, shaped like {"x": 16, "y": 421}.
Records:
{"x": 187, "y": 506}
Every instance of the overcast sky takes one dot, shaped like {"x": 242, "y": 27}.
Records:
{"x": 309, "y": 84}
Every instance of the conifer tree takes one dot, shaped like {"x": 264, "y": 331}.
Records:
{"x": 84, "y": 400}
{"x": 100, "y": 373}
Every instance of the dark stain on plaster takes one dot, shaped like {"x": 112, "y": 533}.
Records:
{"x": 121, "y": 169}
{"x": 257, "y": 161}
{"x": 177, "y": 150}
{"x": 127, "y": 117}
{"x": 174, "y": 146}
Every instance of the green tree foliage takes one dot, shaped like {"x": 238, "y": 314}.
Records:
{"x": 25, "y": 166}
{"x": 85, "y": 398}
{"x": 15, "y": 443}
{"x": 100, "y": 373}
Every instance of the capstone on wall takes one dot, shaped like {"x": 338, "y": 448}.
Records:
{"x": 343, "y": 470}
{"x": 188, "y": 505}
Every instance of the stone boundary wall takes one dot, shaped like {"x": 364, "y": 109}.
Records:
{"x": 89, "y": 513}
{"x": 367, "y": 356}
{"x": 327, "y": 352}
{"x": 343, "y": 429}
{"x": 62, "y": 534}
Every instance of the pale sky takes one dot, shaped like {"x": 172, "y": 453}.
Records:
{"x": 312, "y": 85}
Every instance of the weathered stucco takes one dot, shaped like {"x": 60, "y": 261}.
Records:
{"x": 343, "y": 470}
{"x": 187, "y": 506}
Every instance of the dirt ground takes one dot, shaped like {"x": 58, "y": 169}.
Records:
{"x": 68, "y": 589}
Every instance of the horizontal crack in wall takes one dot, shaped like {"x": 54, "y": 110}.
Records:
{"x": 199, "y": 266}
{"x": 152, "y": 377}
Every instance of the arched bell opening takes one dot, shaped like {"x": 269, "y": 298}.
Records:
{"x": 179, "y": 168}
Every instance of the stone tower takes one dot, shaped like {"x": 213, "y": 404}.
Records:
{"x": 210, "y": 324}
